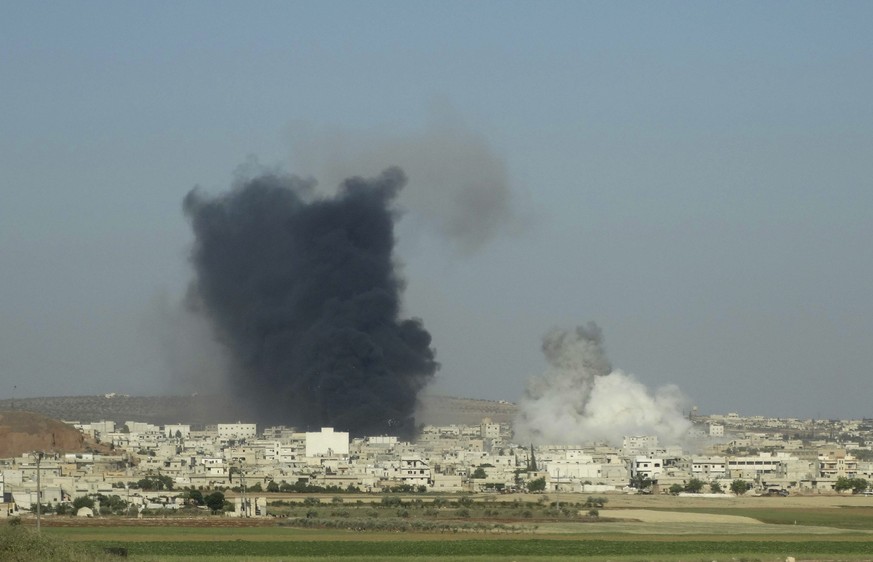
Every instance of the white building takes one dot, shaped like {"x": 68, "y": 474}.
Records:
{"x": 489, "y": 429}
{"x": 708, "y": 468}
{"x": 327, "y": 442}
{"x": 639, "y": 444}
{"x": 237, "y": 430}
{"x": 646, "y": 466}
{"x": 752, "y": 467}
{"x": 142, "y": 427}
{"x": 414, "y": 471}
{"x": 177, "y": 430}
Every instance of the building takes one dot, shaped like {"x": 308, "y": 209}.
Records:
{"x": 708, "y": 468}
{"x": 327, "y": 443}
{"x": 639, "y": 444}
{"x": 489, "y": 429}
{"x": 414, "y": 472}
{"x": 835, "y": 464}
{"x": 236, "y": 431}
{"x": 716, "y": 430}
{"x": 177, "y": 430}
{"x": 648, "y": 467}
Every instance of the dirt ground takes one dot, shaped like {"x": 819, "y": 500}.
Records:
{"x": 623, "y": 501}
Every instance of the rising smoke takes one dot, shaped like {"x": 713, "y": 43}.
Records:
{"x": 302, "y": 291}
{"x": 462, "y": 189}
{"x": 582, "y": 399}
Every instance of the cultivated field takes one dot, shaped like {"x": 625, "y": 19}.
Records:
{"x": 529, "y": 528}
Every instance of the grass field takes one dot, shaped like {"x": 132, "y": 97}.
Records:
{"x": 497, "y": 549}
{"x": 818, "y": 528}
{"x": 860, "y": 518}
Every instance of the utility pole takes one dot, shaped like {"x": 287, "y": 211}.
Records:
{"x": 39, "y": 456}
{"x": 242, "y": 481}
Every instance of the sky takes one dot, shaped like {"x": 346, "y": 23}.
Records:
{"x": 694, "y": 177}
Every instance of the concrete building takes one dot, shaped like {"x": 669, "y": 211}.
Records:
{"x": 236, "y": 431}
{"x": 142, "y": 427}
{"x": 327, "y": 442}
{"x": 639, "y": 444}
{"x": 489, "y": 429}
{"x": 835, "y": 463}
{"x": 708, "y": 468}
{"x": 177, "y": 430}
{"x": 414, "y": 472}
{"x": 647, "y": 466}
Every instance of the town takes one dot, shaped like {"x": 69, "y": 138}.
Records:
{"x": 140, "y": 469}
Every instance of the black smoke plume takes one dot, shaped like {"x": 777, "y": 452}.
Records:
{"x": 304, "y": 294}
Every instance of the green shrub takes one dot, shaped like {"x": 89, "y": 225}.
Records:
{"x": 391, "y": 501}
{"x": 22, "y": 544}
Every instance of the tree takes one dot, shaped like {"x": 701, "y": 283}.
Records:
{"x": 479, "y": 473}
{"x": 863, "y": 454}
{"x": 537, "y": 485}
{"x": 83, "y": 501}
{"x": 155, "y": 482}
{"x": 694, "y": 486}
{"x": 595, "y": 502}
{"x": 715, "y": 487}
{"x": 194, "y": 497}
{"x": 215, "y": 501}
{"x": 272, "y": 487}
{"x": 532, "y": 462}
{"x": 640, "y": 481}
{"x": 739, "y": 487}
{"x": 675, "y": 489}
{"x": 857, "y": 485}
{"x": 111, "y": 504}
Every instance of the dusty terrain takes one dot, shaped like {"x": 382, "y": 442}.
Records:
{"x": 629, "y": 501}
{"x": 24, "y": 432}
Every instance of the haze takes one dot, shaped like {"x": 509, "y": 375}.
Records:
{"x": 694, "y": 177}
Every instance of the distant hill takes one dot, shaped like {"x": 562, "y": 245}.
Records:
{"x": 444, "y": 410}
{"x": 210, "y": 409}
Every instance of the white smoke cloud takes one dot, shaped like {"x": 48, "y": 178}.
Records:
{"x": 581, "y": 398}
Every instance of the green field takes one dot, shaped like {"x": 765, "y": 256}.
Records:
{"x": 860, "y": 518}
{"x": 489, "y": 531}
{"x": 494, "y": 548}
{"x": 180, "y": 544}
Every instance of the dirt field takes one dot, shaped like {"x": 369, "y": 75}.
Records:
{"x": 625, "y": 501}
{"x": 651, "y": 516}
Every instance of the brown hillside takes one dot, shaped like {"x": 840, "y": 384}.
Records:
{"x": 25, "y": 432}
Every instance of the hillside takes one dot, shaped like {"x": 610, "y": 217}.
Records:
{"x": 24, "y": 432}
{"x": 208, "y": 409}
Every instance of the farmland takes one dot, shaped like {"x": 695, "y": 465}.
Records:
{"x": 629, "y": 528}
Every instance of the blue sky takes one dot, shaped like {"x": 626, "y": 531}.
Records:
{"x": 693, "y": 176}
